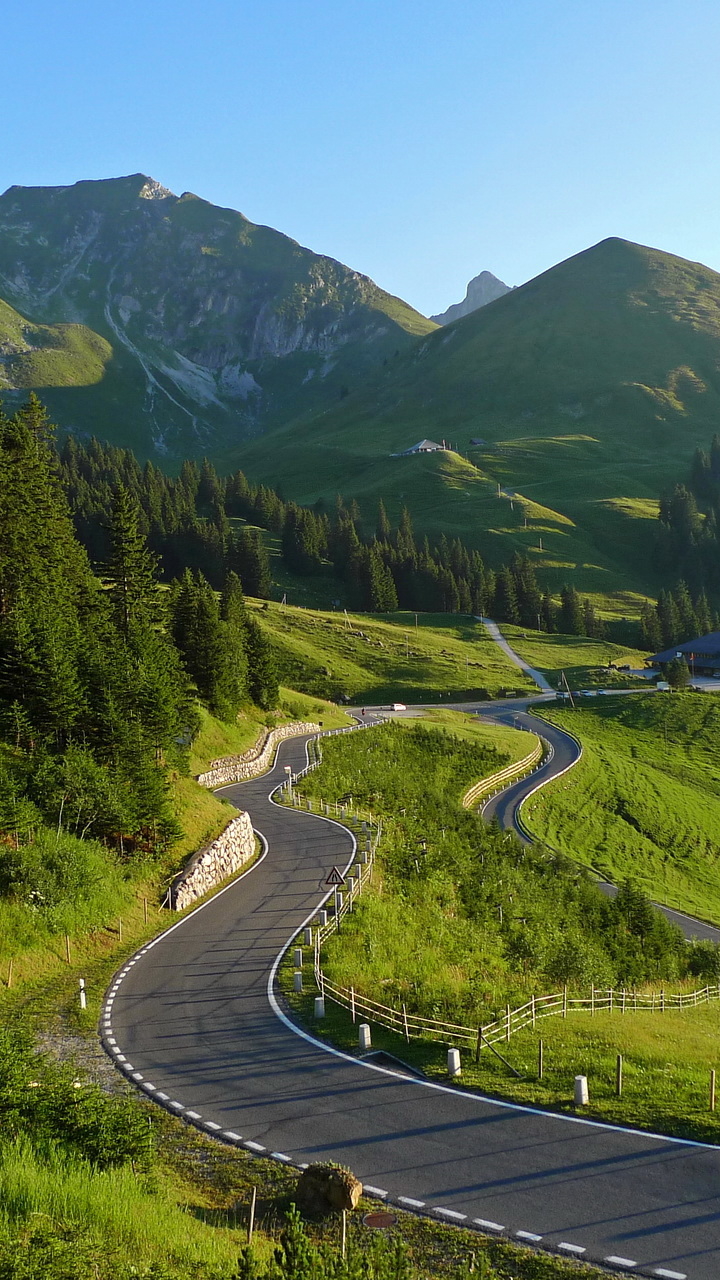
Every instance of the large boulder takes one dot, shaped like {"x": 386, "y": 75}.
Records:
{"x": 323, "y": 1188}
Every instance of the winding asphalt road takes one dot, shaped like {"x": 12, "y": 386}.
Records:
{"x": 194, "y": 1020}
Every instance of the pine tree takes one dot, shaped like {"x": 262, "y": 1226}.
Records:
{"x": 262, "y": 668}
{"x": 248, "y": 558}
{"x": 570, "y": 619}
{"x": 132, "y": 568}
{"x": 506, "y": 604}
{"x": 382, "y": 530}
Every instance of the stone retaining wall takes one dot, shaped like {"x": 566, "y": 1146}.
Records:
{"x": 215, "y": 863}
{"x": 256, "y": 760}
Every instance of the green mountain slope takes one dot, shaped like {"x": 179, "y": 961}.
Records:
{"x": 219, "y": 328}
{"x": 589, "y": 387}
{"x": 38, "y": 355}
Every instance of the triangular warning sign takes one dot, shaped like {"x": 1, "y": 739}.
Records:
{"x": 335, "y": 879}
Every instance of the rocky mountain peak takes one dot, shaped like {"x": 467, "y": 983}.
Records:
{"x": 482, "y": 289}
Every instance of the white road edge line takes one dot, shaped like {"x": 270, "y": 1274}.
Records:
{"x": 450, "y": 1213}
{"x": 414, "y": 1204}
{"x": 669, "y": 1275}
{"x": 528, "y": 1235}
{"x": 571, "y": 1248}
{"x": 375, "y": 1191}
{"x": 615, "y": 1261}
{"x": 487, "y": 1225}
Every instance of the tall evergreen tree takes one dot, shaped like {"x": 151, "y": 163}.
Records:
{"x": 132, "y": 568}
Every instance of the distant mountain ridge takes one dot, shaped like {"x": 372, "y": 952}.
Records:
{"x": 482, "y": 289}
{"x": 573, "y": 401}
{"x": 217, "y": 327}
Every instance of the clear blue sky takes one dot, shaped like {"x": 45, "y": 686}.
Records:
{"x": 418, "y": 142}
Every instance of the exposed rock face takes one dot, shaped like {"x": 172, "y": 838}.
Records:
{"x": 324, "y": 1188}
{"x": 257, "y": 759}
{"x": 482, "y": 289}
{"x": 216, "y": 862}
{"x": 215, "y": 322}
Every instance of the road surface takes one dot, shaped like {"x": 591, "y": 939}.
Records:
{"x": 194, "y": 1020}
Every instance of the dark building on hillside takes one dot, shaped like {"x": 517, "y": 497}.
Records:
{"x": 701, "y": 654}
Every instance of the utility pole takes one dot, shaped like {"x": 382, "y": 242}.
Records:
{"x": 564, "y": 680}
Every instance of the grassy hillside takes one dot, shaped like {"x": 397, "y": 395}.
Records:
{"x": 590, "y": 385}
{"x": 57, "y": 355}
{"x": 644, "y": 801}
{"x": 365, "y": 659}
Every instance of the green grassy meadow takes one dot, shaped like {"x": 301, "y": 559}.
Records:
{"x": 644, "y": 800}
{"x": 376, "y": 659}
{"x": 583, "y": 661}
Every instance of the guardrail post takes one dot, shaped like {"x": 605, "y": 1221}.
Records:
{"x": 619, "y": 1076}
{"x": 298, "y": 958}
{"x": 712, "y": 1090}
{"x": 405, "y": 1024}
{"x": 308, "y": 937}
{"x": 352, "y": 1002}
{"x": 581, "y": 1097}
{"x": 565, "y": 1001}
{"x": 364, "y": 1037}
{"x": 541, "y": 1063}
{"x": 319, "y": 1009}
{"x": 592, "y": 1000}
{"x": 533, "y": 1010}
{"x": 478, "y": 1043}
{"x": 507, "y": 1022}
{"x": 453, "y": 1062}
